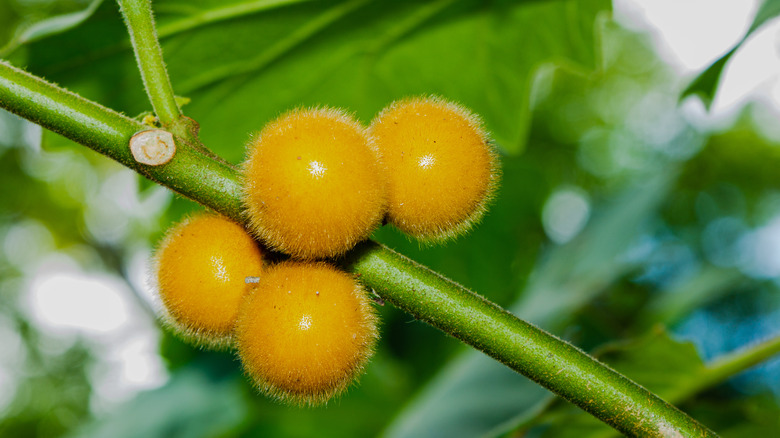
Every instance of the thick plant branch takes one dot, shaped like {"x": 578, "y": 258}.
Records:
{"x": 527, "y": 349}
{"x": 190, "y": 172}
{"x": 140, "y": 25}
{"x": 426, "y": 295}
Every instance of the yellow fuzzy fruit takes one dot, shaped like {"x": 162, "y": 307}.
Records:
{"x": 441, "y": 167}
{"x": 201, "y": 268}
{"x": 313, "y": 186}
{"x": 305, "y": 332}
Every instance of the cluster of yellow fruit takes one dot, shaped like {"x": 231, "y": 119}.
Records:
{"x": 303, "y": 332}
{"x": 315, "y": 184}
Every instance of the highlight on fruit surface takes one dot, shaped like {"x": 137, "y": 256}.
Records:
{"x": 313, "y": 187}
{"x": 305, "y": 332}
{"x": 200, "y": 270}
{"x": 441, "y": 166}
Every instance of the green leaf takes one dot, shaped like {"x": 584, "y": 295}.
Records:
{"x": 706, "y": 83}
{"x": 657, "y": 362}
{"x": 243, "y": 63}
{"x": 769, "y": 9}
{"x": 50, "y": 26}
{"x": 473, "y": 396}
{"x": 751, "y": 166}
{"x": 757, "y": 416}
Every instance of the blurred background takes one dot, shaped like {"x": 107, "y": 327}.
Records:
{"x": 639, "y": 213}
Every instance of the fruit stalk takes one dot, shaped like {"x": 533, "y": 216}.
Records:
{"x": 426, "y": 295}
{"x": 726, "y": 366}
{"x": 143, "y": 36}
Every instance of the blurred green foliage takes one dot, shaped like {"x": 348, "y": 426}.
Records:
{"x": 705, "y": 84}
{"x": 659, "y": 221}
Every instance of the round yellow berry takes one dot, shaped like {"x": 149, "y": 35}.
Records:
{"x": 305, "y": 332}
{"x": 201, "y": 268}
{"x": 313, "y": 186}
{"x": 441, "y": 167}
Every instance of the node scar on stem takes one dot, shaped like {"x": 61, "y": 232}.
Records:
{"x": 154, "y": 147}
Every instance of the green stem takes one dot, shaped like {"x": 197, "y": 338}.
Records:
{"x": 748, "y": 357}
{"x": 527, "y": 349}
{"x": 727, "y": 366}
{"x": 190, "y": 172}
{"x": 426, "y": 295}
{"x": 140, "y": 24}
